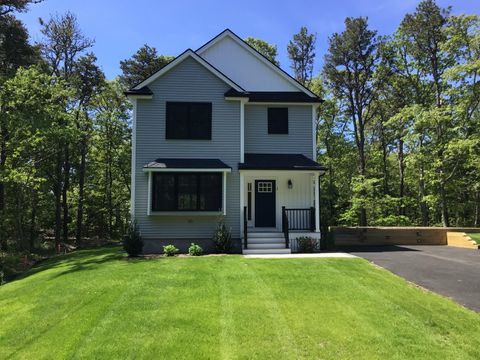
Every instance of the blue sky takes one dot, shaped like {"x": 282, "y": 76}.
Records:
{"x": 120, "y": 27}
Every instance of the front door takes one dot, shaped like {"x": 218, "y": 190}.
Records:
{"x": 265, "y": 203}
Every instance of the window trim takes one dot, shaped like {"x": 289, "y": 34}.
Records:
{"x": 189, "y": 136}
{"x": 223, "y": 193}
{"x": 269, "y": 130}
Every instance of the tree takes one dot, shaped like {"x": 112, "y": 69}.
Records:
{"x": 90, "y": 82}
{"x": 32, "y": 102}
{"x": 424, "y": 34}
{"x": 350, "y": 71}
{"x": 9, "y": 6}
{"x": 141, "y": 65}
{"x": 109, "y": 178}
{"x": 64, "y": 43}
{"x": 301, "y": 51}
{"x": 264, "y": 48}
{"x": 15, "y": 51}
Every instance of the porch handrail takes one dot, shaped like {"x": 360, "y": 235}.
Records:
{"x": 285, "y": 227}
{"x": 300, "y": 218}
{"x": 245, "y": 230}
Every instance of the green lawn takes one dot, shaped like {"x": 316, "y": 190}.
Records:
{"x": 475, "y": 237}
{"x": 96, "y": 304}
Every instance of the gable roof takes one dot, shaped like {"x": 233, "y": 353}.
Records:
{"x": 279, "y": 71}
{"x": 179, "y": 59}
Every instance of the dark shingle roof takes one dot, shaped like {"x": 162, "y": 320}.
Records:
{"x": 279, "y": 162}
{"x": 186, "y": 164}
{"x": 274, "y": 96}
{"x": 143, "y": 91}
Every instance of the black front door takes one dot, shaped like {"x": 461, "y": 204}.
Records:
{"x": 265, "y": 203}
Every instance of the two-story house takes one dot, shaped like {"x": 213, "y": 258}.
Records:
{"x": 223, "y": 132}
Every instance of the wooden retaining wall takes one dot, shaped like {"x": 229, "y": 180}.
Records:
{"x": 393, "y": 235}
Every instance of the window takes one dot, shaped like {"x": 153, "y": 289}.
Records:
{"x": 189, "y": 120}
{"x": 264, "y": 187}
{"x": 186, "y": 192}
{"x": 278, "y": 120}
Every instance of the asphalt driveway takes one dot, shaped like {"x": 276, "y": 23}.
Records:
{"x": 450, "y": 271}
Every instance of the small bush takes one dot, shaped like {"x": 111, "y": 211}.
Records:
{"x": 9, "y": 267}
{"x": 195, "y": 250}
{"x": 307, "y": 244}
{"x": 132, "y": 242}
{"x": 170, "y": 250}
{"x": 222, "y": 238}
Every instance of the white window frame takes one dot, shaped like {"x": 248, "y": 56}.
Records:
{"x": 223, "y": 211}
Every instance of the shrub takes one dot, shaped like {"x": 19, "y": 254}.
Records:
{"x": 170, "y": 250}
{"x": 132, "y": 241}
{"x": 9, "y": 266}
{"x": 222, "y": 238}
{"x": 195, "y": 250}
{"x": 307, "y": 244}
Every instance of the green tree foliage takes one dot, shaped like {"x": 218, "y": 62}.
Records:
{"x": 65, "y": 159}
{"x": 264, "y": 48}
{"x": 350, "y": 70}
{"x": 10, "y": 6}
{"x": 33, "y": 104}
{"x": 141, "y": 65}
{"x": 417, "y": 93}
{"x": 15, "y": 51}
{"x": 301, "y": 51}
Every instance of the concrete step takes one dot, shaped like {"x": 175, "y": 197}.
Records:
{"x": 273, "y": 235}
{"x": 266, "y": 240}
{"x": 266, "y": 251}
{"x": 266, "y": 246}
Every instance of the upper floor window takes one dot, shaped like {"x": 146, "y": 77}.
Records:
{"x": 189, "y": 120}
{"x": 278, "y": 120}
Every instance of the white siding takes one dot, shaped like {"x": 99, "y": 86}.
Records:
{"x": 301, "y": 195}
{"x": 244, "y": 68}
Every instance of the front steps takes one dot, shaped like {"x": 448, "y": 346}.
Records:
{"x": 265, "y": 243}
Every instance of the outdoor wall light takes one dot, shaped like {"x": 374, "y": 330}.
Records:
{"x": 290, "y": 184}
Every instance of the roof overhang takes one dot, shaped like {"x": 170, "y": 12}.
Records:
{"x": 280, "y": 162}
{"x": 186, "y": 165}
{"x": 272, "y": 97}
{"x": 142, "y": 93}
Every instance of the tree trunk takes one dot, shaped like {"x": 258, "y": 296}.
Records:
{"x": 57, "y": 189}
{"x": 386, "y": 189}
{"x": 81, "y": 189}
{"x": 361, "y": 151}
{"x": 477, "y": 209}
{"x": 66, "y": 185}
{"x": 3, "y": 159}
{"x": 109, "y": 200}
{"x": 443, "y": 205}
{"x": 401, "y": 174}
{"x": 331, "y": 203}
{"x": 19, "y": 219}
{"x": 33, "y": 221}
{"x": 423, "y": 204}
